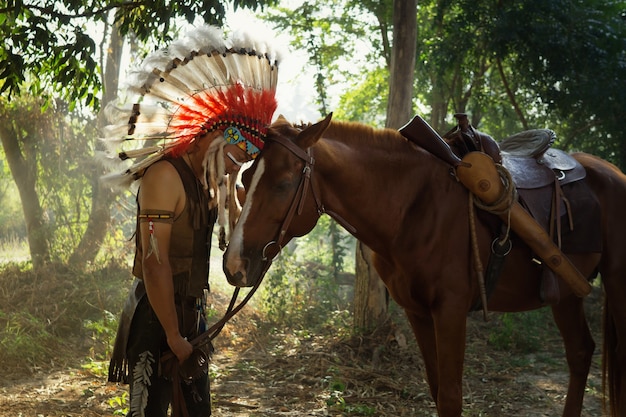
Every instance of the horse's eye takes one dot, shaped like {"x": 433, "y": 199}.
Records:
{"x": 283, "y": 186}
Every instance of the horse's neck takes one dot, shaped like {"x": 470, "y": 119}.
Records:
{"x": 372, "y": 185}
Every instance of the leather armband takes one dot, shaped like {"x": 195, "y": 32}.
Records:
{"x": 161, "y": 216}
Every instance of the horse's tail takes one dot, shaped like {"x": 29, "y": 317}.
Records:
{"x": 611, "y": 374}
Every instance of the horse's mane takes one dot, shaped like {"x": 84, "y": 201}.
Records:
{"x": 348, "y": 132}
{"x": 364, "y": 135}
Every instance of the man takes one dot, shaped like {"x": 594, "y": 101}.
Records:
{"x": 206, "y": 102}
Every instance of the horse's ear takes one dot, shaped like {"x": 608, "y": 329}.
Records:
{"x": 280, "y": 121}
{"x": 311, "y": 134}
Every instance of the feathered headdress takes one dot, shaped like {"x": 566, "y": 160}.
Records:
{"x": 201, "y": 82}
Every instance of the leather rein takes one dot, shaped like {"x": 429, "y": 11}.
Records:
{"x": 297, "y": 204}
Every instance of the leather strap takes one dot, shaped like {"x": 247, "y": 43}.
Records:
{"x": 306, "y": 182}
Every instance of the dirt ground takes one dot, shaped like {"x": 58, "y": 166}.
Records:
{"x": 263, "y": 372}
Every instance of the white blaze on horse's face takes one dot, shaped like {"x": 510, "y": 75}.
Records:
{"x": 233, "y": 263}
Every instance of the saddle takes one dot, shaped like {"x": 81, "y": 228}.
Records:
{"x": 542, "y": 176}
{"x": 532, "y": 162}
{"x": 550, "y": 184}
{"x": 539, "y": 172}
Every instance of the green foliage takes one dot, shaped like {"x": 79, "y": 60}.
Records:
{"x": 336, "y": 400}
{"x": 103, "y": 331}
{"x": 367, "y": 101}
{"x": 302, "y": 290}
{"x": 511, "y": 65}
{"x": 523, "y": 332}
{"x": 51, "y": 317}
{"x": 12, "y": 226}
{"x": 97, "y": 368}
{"x": 147, "y": 19}
{"x": 41, "y": 46}
{"x": 119, "y": 404}
{"x": 13, "y": 249}
{"x": 332, "y": 34}
{"x": 573, "y": 54}
{"x": 278, "y": 293}
{"x": 55, "y": 147}
{"x": 25, "y": 337}
{"x": 51, "y": 43}
{"x": 557, "y": 64}
{"x": 328, "y": 245}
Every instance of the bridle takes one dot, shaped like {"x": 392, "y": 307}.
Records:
{"x": 297, "y": 204}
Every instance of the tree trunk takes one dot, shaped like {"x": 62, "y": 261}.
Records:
{"x": 401, "y": 74}
{"x": 370, "y": 294}
{"x": 25, "y": 177}
{"x": 100, "y": 216}
{"x": 370, "y": 297}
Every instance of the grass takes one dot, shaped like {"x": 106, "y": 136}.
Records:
{"x": 63, "y": 317}
{"x": 60, "y": 319}
{"x": 58, "y": 316}
{"x": 13, "y": 249}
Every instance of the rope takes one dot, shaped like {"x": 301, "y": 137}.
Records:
{"x": 504, "y": 203}
{"x": 499, "y": 207}
{"x": 477, "y": 262}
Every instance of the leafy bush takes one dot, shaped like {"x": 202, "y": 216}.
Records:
{"x": 523, "y": 332}
{"x": 59, "y": 315}
{"x": 12, "y": 226}
{"x": 302, "y": 290}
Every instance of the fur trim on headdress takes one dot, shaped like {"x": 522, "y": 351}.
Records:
{"x": 201, "y": 82}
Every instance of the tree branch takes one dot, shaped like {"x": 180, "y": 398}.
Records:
{"x": 511, "y": 96}
{"x": 51, "y": 12}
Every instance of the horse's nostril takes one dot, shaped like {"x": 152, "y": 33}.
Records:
{"x": 237, "y": 278}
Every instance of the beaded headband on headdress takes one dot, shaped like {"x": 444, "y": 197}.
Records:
{"x": 200, "y": 83}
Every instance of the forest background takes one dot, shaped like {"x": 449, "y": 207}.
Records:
{"x": 65, "y": 241}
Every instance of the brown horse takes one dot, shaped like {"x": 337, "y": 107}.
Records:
{"x": 405, "y": 205}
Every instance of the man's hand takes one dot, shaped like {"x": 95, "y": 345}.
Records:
{"x": 180, "y": 347}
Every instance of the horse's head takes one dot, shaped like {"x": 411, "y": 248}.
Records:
{"x": 279, "y": 204}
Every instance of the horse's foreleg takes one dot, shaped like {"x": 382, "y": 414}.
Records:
{"x": 450, "y": 330}
{"x": 441, "y": 339}
{"x": 424, "y": 332}
{"x": 570, "y": 318}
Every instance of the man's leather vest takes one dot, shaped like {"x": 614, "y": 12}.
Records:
{"x": 190, "y": 241}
